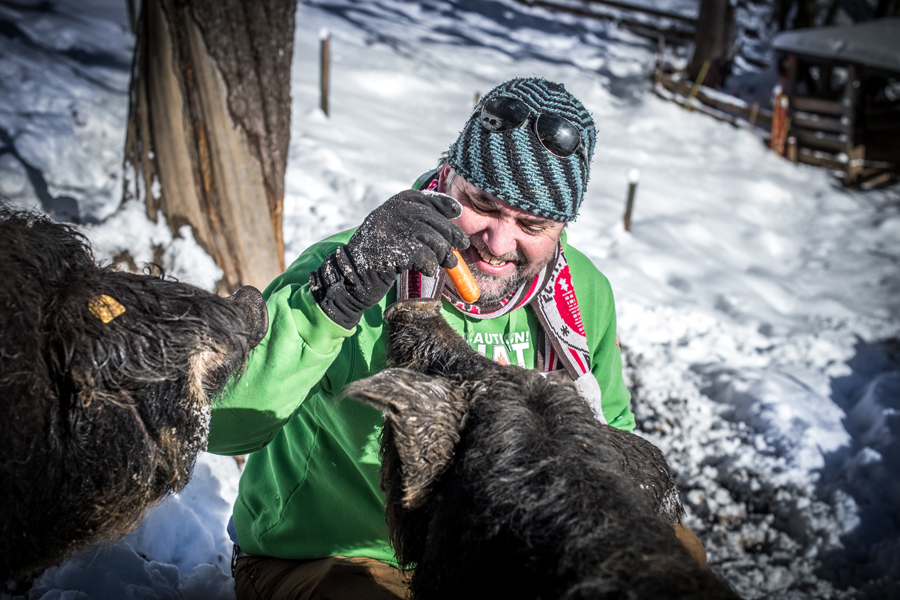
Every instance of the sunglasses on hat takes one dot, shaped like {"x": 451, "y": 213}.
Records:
{"x": 557, "y": 135}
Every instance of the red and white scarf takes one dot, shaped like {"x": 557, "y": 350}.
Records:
{"x": 552, "y": 297}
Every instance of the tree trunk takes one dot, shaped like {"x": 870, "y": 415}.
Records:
{"x": 887, "y": 8}
{"x": 714, "y": 41}
{"x": 209, "y": 127}
{"x": 831, "y": 14}
{"x": 806, "y": 14}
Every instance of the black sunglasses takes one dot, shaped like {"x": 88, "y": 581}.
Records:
{"x": 557, "y": 135}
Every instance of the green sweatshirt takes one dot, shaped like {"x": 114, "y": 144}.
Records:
{"x": 310, "y": 486}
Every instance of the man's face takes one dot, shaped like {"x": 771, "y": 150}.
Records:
{"x": 509, "y": 245}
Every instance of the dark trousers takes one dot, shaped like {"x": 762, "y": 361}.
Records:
{"x": 332, "y": 578}
{"x": 345, "y": 578}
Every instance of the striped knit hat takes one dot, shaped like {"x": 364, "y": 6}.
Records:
{"x": 514, "y": 166}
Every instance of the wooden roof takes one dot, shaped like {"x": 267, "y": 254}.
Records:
{"x": 874, "y": 44}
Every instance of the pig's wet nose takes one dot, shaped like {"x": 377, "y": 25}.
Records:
{"x": 250, "y": 302}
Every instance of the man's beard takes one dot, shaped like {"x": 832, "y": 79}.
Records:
{"x": 494, "y": 288}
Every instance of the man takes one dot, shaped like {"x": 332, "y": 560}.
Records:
{"x": 309, "y": 519}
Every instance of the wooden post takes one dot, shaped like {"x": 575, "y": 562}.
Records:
{"x": 780, "y": 122}
{"x": 792, "y": 149}
{"x": 753, "y": 113}
{"x": 325, "y": 37}
{"x": 856, "y": 160}
{"x": 782, "y": 144}
{"x": 633, "y": 176}
{"x": 856, "y": 153}
{"x": 658, "y": 67}
{"x": 697, "y": 85}
{"x": 790, "y": 75}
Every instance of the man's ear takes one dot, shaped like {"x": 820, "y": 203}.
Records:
{"x": 442, "y": 178}
{"x": 425, "y": 415}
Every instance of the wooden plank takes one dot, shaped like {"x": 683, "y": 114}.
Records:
{"x": 762, "y": 116}
{"x": 700, "y": 107}
{"x": 824, "y": 142}
{"x": 807, "y": 157}
{"x": 869, "y": 181}
{"x": 821, "y": 124}
{"x": 683, "y": 88}
{"x": 679, "y": 87}
{"x": 652, "y": 32}
{"x": 817, "y": 105}
{"x": 871, "y": 174}
{"x": 645, "y": 9}
{"x": 645, "y": 29}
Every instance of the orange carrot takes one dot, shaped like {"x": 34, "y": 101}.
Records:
{"x": 463, "y": 280}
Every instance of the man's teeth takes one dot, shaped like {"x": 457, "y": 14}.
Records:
{"x": 491, "y": 260}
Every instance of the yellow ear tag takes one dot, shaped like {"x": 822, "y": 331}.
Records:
{"x": 106, "y": 308}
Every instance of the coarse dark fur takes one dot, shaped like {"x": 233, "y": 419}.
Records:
{"x": 501, "y": 484}
{"x": 100, "y": 420}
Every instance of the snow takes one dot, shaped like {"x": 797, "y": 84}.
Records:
{"x": 180, "y": 551}
{"x": 758, "y": 301}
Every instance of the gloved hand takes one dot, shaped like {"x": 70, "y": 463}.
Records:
{"x": 410, "y": 231}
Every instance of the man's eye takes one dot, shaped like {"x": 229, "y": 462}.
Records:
{"x": 533, "y": 229}
{"x": 482, "y": 208}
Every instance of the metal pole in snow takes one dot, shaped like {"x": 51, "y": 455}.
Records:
{"x": 325, "y": 38}
{"x": 633, "y": 177}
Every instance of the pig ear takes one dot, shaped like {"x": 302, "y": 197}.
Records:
{"x": 424, "y": 416}
{"x": 646, "y": 466}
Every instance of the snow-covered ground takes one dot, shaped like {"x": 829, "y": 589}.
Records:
{"x": 758, "y": 301}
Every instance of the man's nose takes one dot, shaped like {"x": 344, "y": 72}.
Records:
{"x": 500, "y": 237}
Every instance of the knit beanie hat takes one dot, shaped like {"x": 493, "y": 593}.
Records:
{"x": 514, "y": 166}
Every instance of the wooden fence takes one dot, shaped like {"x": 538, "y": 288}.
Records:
{"x": 677, "y": 29}
{"x": 711, "y": 102}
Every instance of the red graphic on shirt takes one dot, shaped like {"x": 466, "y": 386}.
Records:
{"x": 564, "y": 296}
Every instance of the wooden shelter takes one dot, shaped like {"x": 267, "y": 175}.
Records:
{"x": 843, "y": 90}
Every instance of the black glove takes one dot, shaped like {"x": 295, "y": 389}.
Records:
{"x": 410, "y": 231}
